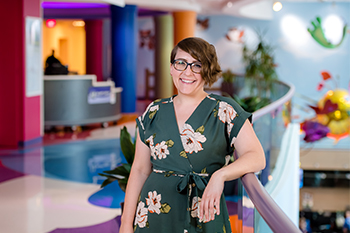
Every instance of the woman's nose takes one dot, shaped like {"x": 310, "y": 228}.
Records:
{"x": 188, "y": 70}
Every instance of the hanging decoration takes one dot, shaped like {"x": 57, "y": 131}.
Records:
{"x": 332, "y": 114}
{"x": 319, "y": 36}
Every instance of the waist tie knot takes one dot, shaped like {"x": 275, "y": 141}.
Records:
{"x": 191, "y": 178}
{"x": 192, "y": 182}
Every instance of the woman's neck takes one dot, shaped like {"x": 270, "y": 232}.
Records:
{"x": 182, "y": 99}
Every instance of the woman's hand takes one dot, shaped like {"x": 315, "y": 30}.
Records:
{"x": 210, "y": 203}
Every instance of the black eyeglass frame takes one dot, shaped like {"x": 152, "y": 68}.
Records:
{"x": 187, "y": 64}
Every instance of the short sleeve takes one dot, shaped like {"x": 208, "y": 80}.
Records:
{"x": 240, "y": 118}
{"x": 143, "y": 122}
{"x": 235, "y": 118}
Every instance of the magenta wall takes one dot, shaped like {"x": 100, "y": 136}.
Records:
{"x": 19, "y": 115}
{"x": 94, "y": 48}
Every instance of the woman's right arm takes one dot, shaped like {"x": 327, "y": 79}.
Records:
{"x": 141, "y": 169}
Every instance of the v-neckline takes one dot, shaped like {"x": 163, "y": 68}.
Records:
{"x": 193, "y": 113}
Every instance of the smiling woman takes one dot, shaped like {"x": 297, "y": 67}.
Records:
{"x": 177, "y": 177}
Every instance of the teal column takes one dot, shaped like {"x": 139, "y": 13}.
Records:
{"x": 164, "y": 32}
{"x": 124, "y": 50}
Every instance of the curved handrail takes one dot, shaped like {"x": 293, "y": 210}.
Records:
{"x": 274, "y": 105}
{"x": 273, "y": 215}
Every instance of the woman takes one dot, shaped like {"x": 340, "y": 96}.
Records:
{"x": 177, "y": 178}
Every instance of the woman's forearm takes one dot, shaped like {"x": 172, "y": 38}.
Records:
{"x": 136, "y": 180}
{"x": 249, "y": 162}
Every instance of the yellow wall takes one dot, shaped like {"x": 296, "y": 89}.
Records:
{"x": 69, "y": 43}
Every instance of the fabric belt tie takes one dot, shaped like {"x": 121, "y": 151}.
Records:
{"x": 192, "y": 181}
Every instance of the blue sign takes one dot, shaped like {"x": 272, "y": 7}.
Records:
{"x": 99, "y": 95}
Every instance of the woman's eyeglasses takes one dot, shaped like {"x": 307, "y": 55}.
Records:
{"x": 181, "y": 65}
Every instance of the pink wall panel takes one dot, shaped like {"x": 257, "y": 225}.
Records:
{"x": 19, "y": 115}
{"x": 94, "y": 48}
{"x": 32, "y": 118}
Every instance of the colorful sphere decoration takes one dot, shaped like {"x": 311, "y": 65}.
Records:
{"x": 332, "y": 115}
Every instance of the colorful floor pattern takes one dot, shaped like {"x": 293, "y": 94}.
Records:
{"x": 55, "y": 188}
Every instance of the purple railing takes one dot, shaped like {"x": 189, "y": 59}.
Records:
{"x": 273, "y": 215}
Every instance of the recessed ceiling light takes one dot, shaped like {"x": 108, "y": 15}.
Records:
{"x": 277, "y": 6}
{"x": 79, "y": 23}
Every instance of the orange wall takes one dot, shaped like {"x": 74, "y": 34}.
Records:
{"x": 69, "y": 43}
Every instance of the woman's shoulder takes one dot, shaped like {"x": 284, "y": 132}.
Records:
{"x": 226, "y": 99}
{"x": 155, "y": 105}
{"x": 163, "y": 101}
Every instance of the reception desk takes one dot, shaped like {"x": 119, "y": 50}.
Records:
{"x": 80, "y": 100}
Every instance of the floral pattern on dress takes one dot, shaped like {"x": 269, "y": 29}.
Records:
{"x": 160, "y": 150}
{"x": 226, "y": 114}
{"x": 191, "y": 140}
{"x": 153, "y": 110}
{"x": 154, "y": 206}
{"x": 153, "y": 202}
{"x": 141, "y": 215}
{"x": 148, "y": 107}
{"x": 233, "y": 141}
{"x": 212, "y": 98}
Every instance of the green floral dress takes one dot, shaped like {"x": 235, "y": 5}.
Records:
{"x": 183, "y": 163}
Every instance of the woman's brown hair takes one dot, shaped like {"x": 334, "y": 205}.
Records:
{"x": 205, "y": 53}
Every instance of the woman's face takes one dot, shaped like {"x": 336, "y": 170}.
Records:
{"x": 186, "y": 82}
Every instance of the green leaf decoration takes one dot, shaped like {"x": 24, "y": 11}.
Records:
{"x": 107, "y": 181}
{"x": 122, "y": 184}
{"x": 215, "y": 112}
{"x": 127, "y": 145}
{"x": 183, "y": 154}
{"x": 157, "y": 100}
{"x": 122, "y": 170}
{"x": 169, "y": 143}
{"x": 165, "y": 208}
{"x": 135, "y": 226}
{"x": 147, "y": 224}
{"x": 223, "y": 228}
{"x": 169, "y": 173}
{"x": 200, "y": 129}
{"x": 318, "y": 34}
{"x": 204, "y": 171}
{"x": 151, "y": 114}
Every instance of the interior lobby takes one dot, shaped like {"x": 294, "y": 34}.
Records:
{"x": 76, "y": 72}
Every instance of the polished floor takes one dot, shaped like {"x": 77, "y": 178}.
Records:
{"x": 55, "y": 187}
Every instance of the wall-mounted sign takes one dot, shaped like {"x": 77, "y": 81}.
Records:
{"x": 100, "y": 95}
{"x": 34, "y": 70}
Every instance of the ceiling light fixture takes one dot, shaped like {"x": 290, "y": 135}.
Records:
{"x": 277, "y": 6}
{"x": 50, "y": 23}
{"x": 79, "y": 23}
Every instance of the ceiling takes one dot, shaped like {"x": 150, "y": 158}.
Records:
{"x": 257, "y": 9}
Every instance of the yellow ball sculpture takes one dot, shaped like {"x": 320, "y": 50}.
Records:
{"x": 335, "y": 113}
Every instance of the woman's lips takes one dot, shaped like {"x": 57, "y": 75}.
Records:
{"x": 187, "y": 81}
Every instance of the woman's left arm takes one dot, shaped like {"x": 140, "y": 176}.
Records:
{"x": 251, "y": 158}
